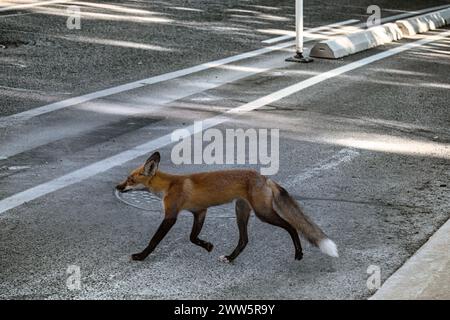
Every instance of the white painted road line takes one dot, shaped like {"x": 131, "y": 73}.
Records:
{"x": 362, "y": 24}
{"x": 412, "y": 13}
{"x": 26, "y": 115}
{"x": 344, "y": 155}
{"x": 31, "y": 5}
{"x": 309, "y": 31}
{"x": 121, "y": 158}
{"x": 156, "y": 97}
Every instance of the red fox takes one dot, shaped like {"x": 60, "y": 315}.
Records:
{"x": 199, "y": 191}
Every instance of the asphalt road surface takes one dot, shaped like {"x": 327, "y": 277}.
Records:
{"x": 365, "y": 151}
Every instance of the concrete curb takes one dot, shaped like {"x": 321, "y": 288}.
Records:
{"x": 424, "y": 23}
{"x": 376, "y": 36}
{"x": 426, "y": 275}
{"x": 356, "y": 42}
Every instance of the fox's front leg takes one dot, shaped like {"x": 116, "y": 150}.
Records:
{"x": 171, "y": 210}
{"x": 199, "y": 219}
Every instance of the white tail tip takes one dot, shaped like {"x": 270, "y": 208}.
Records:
{"x": 328, "y": 247}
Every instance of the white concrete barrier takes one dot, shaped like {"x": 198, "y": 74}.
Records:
{"x": 424, "y": 23}
{"x": 356, "y": 42}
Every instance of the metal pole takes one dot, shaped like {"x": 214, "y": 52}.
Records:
{"x": 299, "y": 35}
{"x": 299, "y": 25}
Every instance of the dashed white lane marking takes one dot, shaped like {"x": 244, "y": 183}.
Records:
{"x": 121, "y": 158}
{"x": 31, "y": 5}
{"x": 344, "y": 155}
{"x": 309, "y": 31}
{"x": 23, "y": 116}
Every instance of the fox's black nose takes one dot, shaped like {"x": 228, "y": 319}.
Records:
{"x": 120, "y": 187}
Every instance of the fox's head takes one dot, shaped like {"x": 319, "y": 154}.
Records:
{"x": 142, "y": 175}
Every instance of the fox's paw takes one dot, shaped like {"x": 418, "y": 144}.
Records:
{"x": 298, "y": 255}
{"x": 138, "y": 257}
{"x": 208, "y": 246}
{"x": 224, "y": 259}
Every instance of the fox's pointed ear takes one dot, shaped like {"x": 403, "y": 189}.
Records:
{"x": 152, "y": 163}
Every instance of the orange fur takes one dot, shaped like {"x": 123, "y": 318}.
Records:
{"x": 198, "y": 191}
{"x": 203, "y": 190}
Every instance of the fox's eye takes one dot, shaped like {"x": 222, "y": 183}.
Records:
{"x": 130, "y": 180}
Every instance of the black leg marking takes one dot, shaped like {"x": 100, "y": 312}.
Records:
{"x": 163, "y": 229}
{"x": 276, "y": 220}
{"x": 243, "y": 210}
{"x": 199, "y": 219}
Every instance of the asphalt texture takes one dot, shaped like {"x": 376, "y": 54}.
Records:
{"x": 366, "y": 153}
{"x": 124, "y": 41}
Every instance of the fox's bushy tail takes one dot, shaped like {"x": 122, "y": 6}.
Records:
{"x": 290, "y": 211}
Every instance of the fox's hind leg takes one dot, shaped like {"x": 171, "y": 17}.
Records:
{"x": 243, "y": 210}
{"x": 274, "y": 219}
{"x": 199, "y": 218}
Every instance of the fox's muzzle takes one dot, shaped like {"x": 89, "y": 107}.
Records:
{"x": 122, "y": 186}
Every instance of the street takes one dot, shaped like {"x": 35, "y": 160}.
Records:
{"x": 364, "y": 146}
